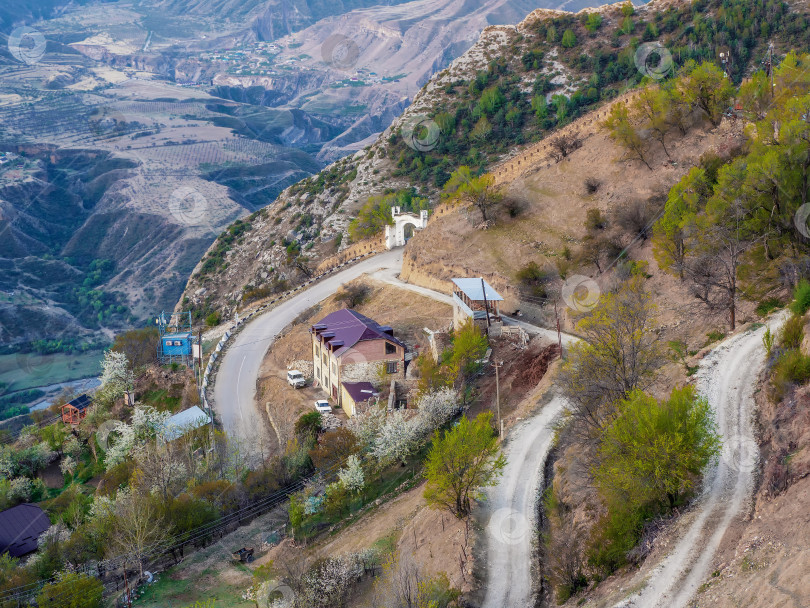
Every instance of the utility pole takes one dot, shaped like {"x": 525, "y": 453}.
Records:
{"x": 498, "y": 399}
{"x": 770, "y": 61}
{"x": 486, "y": 306}
{"x": 559, "y": 334}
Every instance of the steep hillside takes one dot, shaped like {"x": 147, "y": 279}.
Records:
{"x": 516, "y": 85}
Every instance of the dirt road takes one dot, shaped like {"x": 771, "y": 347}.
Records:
{"x": 727, "y": 378}
{"x": 511, "y": 507}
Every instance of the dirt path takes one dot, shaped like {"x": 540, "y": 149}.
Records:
{"x": 511, "y": 508}
{"x": 727, "y": 378}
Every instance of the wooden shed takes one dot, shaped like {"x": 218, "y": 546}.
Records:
{"x": 75, "y": 411}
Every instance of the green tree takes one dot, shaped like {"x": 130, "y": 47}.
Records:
{"x": 685, "y": 200}
{"x": 707, "y": 88}
{"x": 72, "y": 590}
{"x": 621, "y": 129}
{"x": 473, "y": 191}
{"x": 593, "y": 22}
{"x": 540, "y": 107}
{"x": 461, "y": 463}
{"x": 481, "y": 130}
{"x": 491, "y": 100}
{"x": 469, "y": 347}
{"x": 569, "y": 39}
{"x": 653, "y": 452}
{"x": 652, "y": 105}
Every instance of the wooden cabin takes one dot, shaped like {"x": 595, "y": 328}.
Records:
{"x": 75, "y": 411}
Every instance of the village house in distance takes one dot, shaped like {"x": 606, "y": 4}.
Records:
{"x": 349, "y": 348}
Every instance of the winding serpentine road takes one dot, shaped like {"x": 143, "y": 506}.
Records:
{"x": 727, "y": 378}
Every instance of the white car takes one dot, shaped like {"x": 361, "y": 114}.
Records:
{"x": 296, "y": 379}
{"x": 322, "y": 405}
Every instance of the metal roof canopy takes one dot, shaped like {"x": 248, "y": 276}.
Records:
{"x": 183, "y": 422}
{"x": 472, "y": 289}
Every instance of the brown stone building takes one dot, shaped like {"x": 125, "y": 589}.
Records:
{"x": 350, "y": 347}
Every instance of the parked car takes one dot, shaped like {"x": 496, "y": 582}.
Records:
{"x": 296, "y": 379}
{"x": 322, "y": 405}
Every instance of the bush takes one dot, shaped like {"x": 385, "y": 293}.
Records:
{"x": 533, "y": 279}
{"x": 213, "y": 319}
{"x": 72, "y": 590}
{"x": 792, "y": 333}
{"x": 592, "y": 185}
{"x": 801, "y": 298}
{"x": 353, "y": 295}
{"x": 791, "y": 368}
{"x": 765, "y": 307}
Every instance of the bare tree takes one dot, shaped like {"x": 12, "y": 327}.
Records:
{"x": 139, "y": 531}
{"x": 562, "y": 145}
{"x": 621, "y": 352}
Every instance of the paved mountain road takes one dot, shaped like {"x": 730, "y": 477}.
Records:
{"x": 236, "y": 381}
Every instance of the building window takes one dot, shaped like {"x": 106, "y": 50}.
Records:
{"x": 334, "y": 367}
{"x": 325, "y": 359}
{"x": 391, "y": 367}
{"x": 390, "y": 349}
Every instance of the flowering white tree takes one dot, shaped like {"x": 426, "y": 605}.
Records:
{"x": 397, "y": 438}
{"x": 67, "y": 466}
{"x": 367, "y": 425}
{"x": 147, "y": 422}
{"x": 436, "y": 408}
{"x": 20, "y": 489}
{"x": 352, "y": 476}
{"x": 116, "y": 375}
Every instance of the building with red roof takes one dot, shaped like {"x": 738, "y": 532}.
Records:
{"x": 350, "y": 347}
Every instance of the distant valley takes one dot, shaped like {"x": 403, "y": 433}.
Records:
{"x": 143, "y": 129}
